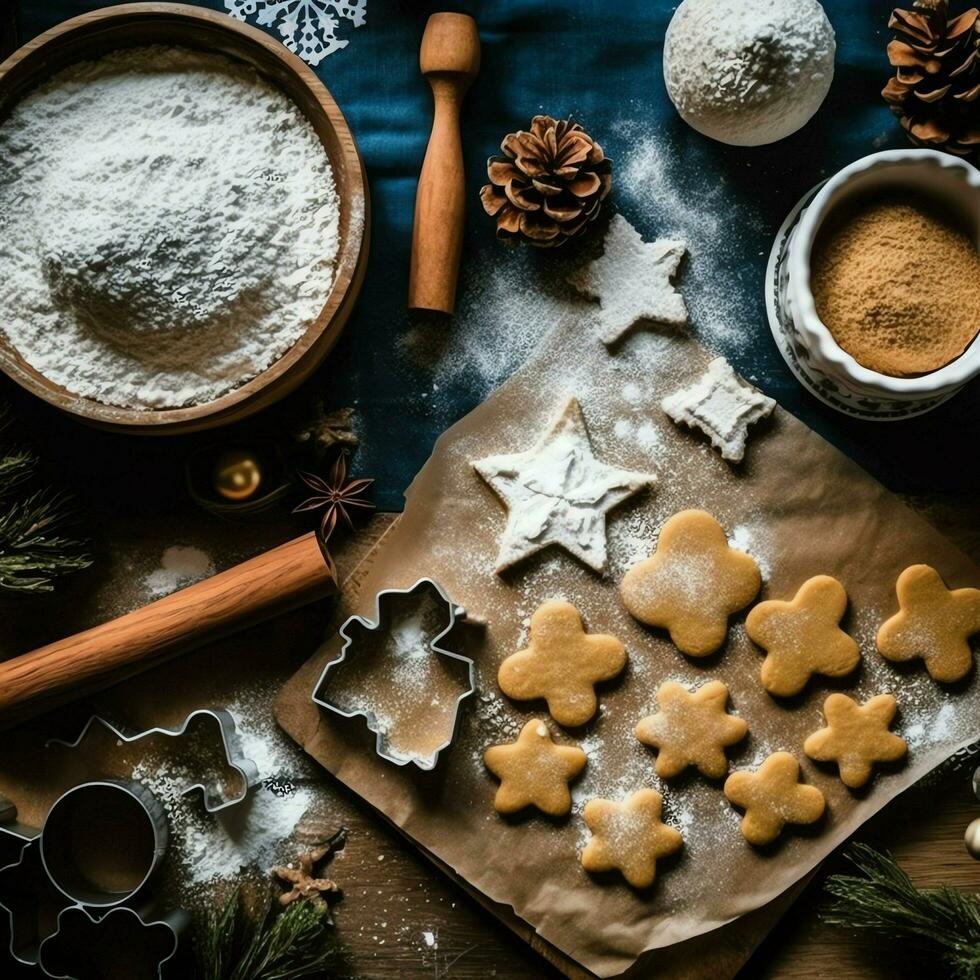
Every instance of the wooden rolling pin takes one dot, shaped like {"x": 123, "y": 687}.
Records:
{"x": 449, "y": 59}
{"x": 291, "y": 575}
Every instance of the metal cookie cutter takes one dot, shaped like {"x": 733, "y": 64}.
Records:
{"x": 358, "y": 631}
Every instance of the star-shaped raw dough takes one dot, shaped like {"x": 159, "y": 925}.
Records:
{"x": 803, "y": 637}
{"x": 558, "y": 493}
{"x": 629, "y": 836}
{"x": 691, "y": 729}
{"x": 631, "y": 280}
{"x": 933, "y": 623}
{"x": 772, "y": 797}
{"x": 533, "y": 771}
{"x": 692, "y": 583}
{"x": 562, "y": 664}
{"x": 856, "y": 737}
{"x": 721, "y": 406}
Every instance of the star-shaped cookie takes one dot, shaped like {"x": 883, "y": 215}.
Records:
{"x": 558, "y": 493}
{"x": 772, "y": 797}
{"x": 856, "y": 737}
{"x": 721, "y": 406}
{"x": 562, "y": 664}
{"x": 629, "y": 836}
{"x": 692, "y": 583}
{"x": 932, "y": 622}
{"x": 691, "y": 729}
{"x": 631, "y": 280}
{"x": 533, "y": 771}
{"x": 803, "y": 637}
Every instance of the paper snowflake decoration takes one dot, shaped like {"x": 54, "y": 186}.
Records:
{"x": 307, "y": 27}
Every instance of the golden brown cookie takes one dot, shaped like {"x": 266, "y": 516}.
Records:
{"x": 692, "y": 583}
{"x": 772, "y": 797}
{"x": 933, "y": 623}
{"x": 803, "y": 637}
{"x": 562, "y": 664}
{"x": 533, "y": 771}
{"x": 691, "y": 728}
{"x": 856, "y": 737}
{"x": 629, "y": 836}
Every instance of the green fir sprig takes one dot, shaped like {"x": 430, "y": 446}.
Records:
{"x": 881, "y": 898}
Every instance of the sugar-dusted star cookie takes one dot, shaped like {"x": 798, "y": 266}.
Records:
{"x": 856, "y": 737}
{"x": 803, "y": 637}
{"x": 562, "y": 664}
{"x": 558, "y": 493}
{"x": 533, "y": 771}
{"x": 692, "y": 583}
{"x": 722, "y": 406}
{"x": 932, "y": 622}
{"x": 772, "y": 797}
{"x": 629, "y": 836}
{"x": 631, "y": 280}
{"x": 692, "y": 728}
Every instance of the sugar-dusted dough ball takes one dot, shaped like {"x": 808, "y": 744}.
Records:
{"x": 748, "y": 72}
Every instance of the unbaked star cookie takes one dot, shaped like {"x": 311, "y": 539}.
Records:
{"x": 932, "y": 622}
{"x": 803, "y": 637}
{"x": 772, "y": 797}
{"x": 533, "y": 771}
{"x": 629, "y": 836}
{"x": 631, "y": 280}
{"x": 558, "y": 493}
{"x": 562, "y": 664}
{"x": 692, "y": 583}
{"x": 692, "y": 728}
{"x": 856, "y": 737}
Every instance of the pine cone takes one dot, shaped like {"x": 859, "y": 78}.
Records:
{"x": 936, "y": 88}
{"x": 549, "y": 183}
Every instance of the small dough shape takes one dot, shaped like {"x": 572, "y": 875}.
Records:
{"x": 772, "y": 797}
{"x": 803, "y": 637}
{"x": 856, "y": 737}
{"x": 692, "y": 583}
{"x": 629, "y": 836}
{"x": 562, "y": 664}
{"x": 932, "y": 622}
{"x": 691, "y": 729}
{"x": 533, "y": 771}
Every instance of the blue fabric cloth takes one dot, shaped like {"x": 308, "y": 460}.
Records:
{"x": 600, "y": 62}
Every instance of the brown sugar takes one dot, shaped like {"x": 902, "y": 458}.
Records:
{"x": 898, "y": 287}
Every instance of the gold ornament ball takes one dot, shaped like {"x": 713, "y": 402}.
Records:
{"x": 236, "y": 474}
{"x": 972, "y": 839}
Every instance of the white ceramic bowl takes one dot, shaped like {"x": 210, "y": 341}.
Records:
{"x": 808, "y": 346}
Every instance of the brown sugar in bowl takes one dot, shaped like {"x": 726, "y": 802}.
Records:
{"x": 93, "y": 35}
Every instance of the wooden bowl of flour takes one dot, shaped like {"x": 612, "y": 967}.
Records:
{"x": 93, "y": 35}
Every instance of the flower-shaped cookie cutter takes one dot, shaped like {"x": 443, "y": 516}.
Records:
{"x": 356, "y": 627}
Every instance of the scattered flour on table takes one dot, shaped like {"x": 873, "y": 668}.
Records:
{"x": 168, "y": 226}
{"x": 179, "y": 566}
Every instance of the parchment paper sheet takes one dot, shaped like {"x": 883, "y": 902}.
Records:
{"x": 797, "y": 504}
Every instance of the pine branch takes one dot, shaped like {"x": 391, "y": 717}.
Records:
{"x": 882, "y": 898}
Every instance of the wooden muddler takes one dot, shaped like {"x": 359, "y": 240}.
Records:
{"x": 291, "y": 575}
{"x": 449, "y": 59}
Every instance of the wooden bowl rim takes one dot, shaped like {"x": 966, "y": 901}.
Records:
{"x": 347, "y": 274}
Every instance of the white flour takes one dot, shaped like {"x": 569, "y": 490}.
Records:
{"x": 179, "y": 566}
{"x": 169, "y": 226}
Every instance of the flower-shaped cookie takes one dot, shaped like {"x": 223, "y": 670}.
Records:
{"x": 533, "y": 771}
{"x": 856, "y": 737}
{"x": 933, "y": 623}
{"x": 691, "y": 729}
{"x": 562, "y": 664}
{"x": 629, "y": 836}
{"x": 772, "y": 797}
{"x": 692, "y": 583}
{"x": 803, "y": 637}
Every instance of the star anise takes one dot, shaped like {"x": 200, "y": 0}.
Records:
{"x": 301, "y": 878}
{"x": 337, "y": 495}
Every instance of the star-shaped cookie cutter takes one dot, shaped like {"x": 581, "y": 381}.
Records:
{"x": 382, "y": 621}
